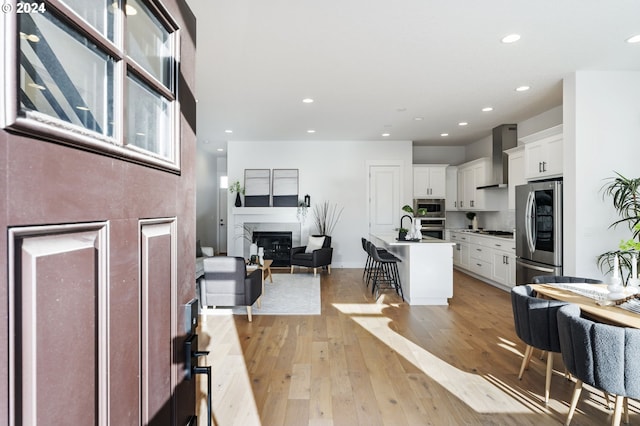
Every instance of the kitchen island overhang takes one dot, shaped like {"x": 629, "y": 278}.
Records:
{"x": 426, "y": 268}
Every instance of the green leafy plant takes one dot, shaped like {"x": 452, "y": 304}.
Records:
{"x": 625, "y": 195}
{"x": 407, "y": 208}
{"x": 470, "y": 215}
{"x": 236, "y": 187}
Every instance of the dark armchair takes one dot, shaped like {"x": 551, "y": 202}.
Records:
{"x": 315, "y": 254}
{"x": 225, "y": 283}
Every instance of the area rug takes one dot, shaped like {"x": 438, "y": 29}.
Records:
{"x": 289, "y": 294}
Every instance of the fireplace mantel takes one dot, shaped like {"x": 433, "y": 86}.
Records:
{"x": 267, "y": 215}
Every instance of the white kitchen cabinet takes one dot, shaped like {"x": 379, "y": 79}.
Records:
{"x": 543, "y": 153}
{"x": 471, "y": 175}
{"x": 516, "y": 174}
{"x": 489, "y": 258}
{"x": 480, "y": 260}
{"x": 429, "y": 181}
{"x": 460, "y": 250}
{"x": 451, "y": 198}
{"x": 503, "y": 268}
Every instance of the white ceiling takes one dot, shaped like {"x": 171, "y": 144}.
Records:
{"x": 373, "y": 66}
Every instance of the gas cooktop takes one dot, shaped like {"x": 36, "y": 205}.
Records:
{"x": 496, "y": 233}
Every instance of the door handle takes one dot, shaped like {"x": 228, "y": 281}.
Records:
{"x": 191, "y": 355}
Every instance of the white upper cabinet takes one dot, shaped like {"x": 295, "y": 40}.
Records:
{"x": 471, "y": 175}
{"x": 451, "y": 199}
{"x": 543, "y": 153}
{"x": 516, "y": 174}
{"x": 429, "y": 181}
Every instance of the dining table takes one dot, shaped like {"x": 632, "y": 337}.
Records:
{"x": 595, "y": 303}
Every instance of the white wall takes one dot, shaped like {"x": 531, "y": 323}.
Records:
{"x": 452, "y": 155}
{"x": 601, "y": 136}
{"x": 545, "y": 120}
{"x": 328, "y": 171}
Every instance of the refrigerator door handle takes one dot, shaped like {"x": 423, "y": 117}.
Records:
{"x": 528, "y": 220}
{"x": 536, "y": 268}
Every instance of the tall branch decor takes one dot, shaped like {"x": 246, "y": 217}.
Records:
{"x": 326, "y": 216}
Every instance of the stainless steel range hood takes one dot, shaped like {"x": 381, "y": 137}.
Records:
{"x": 505, "y": 137}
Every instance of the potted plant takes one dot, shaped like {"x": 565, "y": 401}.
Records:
{"x": 625, "y": 194}
{"x": 407, "y": 208}
{"x": 238, "y": 189}
{"x": 326, "y": 216}
{"x": 472, "y": 217}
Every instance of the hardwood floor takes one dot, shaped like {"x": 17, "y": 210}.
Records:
{"x": 364, "y": 362}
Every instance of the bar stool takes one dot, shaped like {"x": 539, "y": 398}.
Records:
{"x": 384, "y": 272}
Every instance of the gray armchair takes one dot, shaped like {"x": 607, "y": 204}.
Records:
{"x": 550, "y": 279}
{"x": 600, "y": 355}
{"x": 536, "y": 324}
{"x": 225, "y": 283}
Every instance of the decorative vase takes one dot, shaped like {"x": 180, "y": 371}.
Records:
{"x": 616, "y": 290}
{"x": 474, "y": 223}
{"x": 238, "y": 200}
{"x": 417, "y": 229}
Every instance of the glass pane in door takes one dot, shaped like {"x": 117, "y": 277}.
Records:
{"x": 544, "y": 232}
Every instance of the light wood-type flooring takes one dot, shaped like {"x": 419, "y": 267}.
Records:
{"x": 368, "y": 362}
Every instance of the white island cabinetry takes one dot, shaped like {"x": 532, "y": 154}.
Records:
{"x": 426, "y": 268}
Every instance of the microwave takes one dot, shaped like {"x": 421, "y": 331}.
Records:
{"x": 429, "y": 207}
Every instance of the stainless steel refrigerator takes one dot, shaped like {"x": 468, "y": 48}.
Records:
{"x": 538, "y": 230}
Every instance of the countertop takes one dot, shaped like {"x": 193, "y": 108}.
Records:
{"x": 391, "y": 239}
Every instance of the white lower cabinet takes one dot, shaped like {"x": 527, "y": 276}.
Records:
{"x": 503, "y": 268}
{"x": 489, "y": 258}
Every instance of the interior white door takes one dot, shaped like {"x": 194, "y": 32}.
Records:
{"x": 384, "y": 198}
{"x": 223, "y": 196}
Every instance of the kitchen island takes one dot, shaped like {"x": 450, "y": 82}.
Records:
{"x": 426, "y": 270}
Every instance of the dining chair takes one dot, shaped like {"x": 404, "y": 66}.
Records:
{"x": 536, "y": 325}
{"x": 600, "y": 355}
{"x": 550, "y": 279}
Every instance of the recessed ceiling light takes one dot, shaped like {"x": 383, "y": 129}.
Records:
{"x": 219, "y": 149}
{"x": 386, "y": 134}
{"x": 140, "y": 134}
{"x": 444, "y": 134}
{"x": 418, "y": 118}
{"x": 462, "y": 123}
{"x": 634, "y": 39}
{"x": 511, "y": 38}
{"x": 522, "y": 88}
{"x": 307, "y": 100}
{"x": 311, "y": 131}
{"x": 228, "y": 131}
{"x": 487, "y": 109}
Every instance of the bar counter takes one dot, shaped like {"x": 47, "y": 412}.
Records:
{"x": 426, "y": 270}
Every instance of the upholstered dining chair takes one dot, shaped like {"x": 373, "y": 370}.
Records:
{"x": 600, "y": 355}
{"x": 550, "y": 279}
{"x": 226, "y": 283}
{"x": 536, "y": 325}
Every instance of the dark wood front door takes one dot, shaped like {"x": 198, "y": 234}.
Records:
{"x": 99, "y": 256}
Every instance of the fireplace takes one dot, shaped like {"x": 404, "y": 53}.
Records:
{"x": 276, "y": 244}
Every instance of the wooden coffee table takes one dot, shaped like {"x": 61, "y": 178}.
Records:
{"x": 266, "y": 272}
